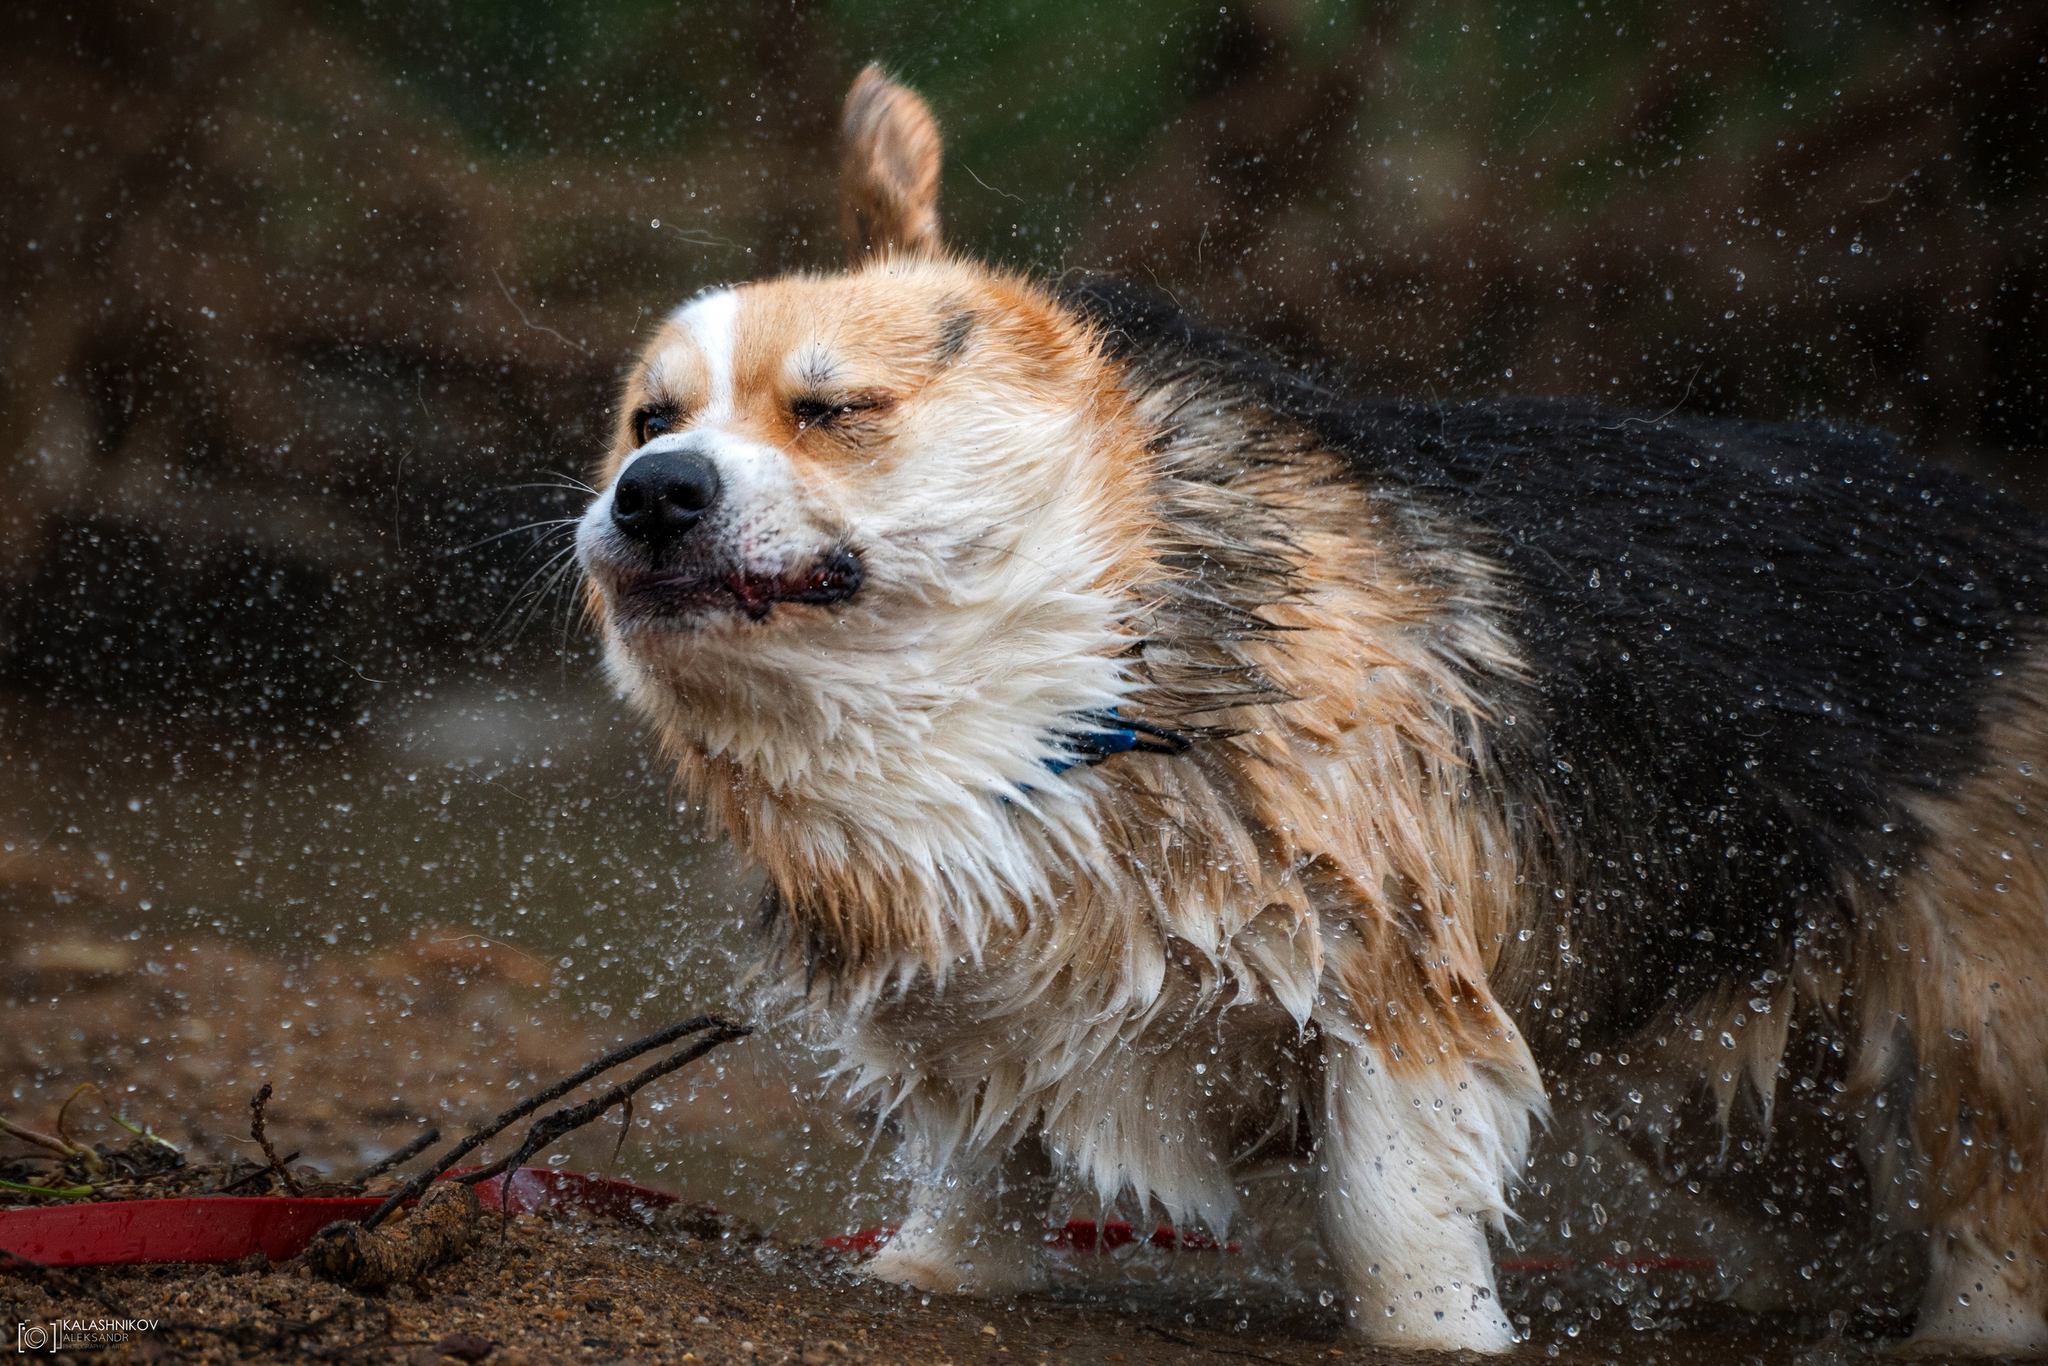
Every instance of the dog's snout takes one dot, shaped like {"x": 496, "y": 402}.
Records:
{"x": 662, "y": 495}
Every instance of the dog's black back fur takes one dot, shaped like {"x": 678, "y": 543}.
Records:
{"x": 1750, "y": 644}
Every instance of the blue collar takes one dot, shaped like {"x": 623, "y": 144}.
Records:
{"x": 1112, "y": 734}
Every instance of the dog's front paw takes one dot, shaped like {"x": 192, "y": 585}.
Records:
{"x": 922, "y": 1256}
{"x": 1437, "y": 1318}
{"x": 1937, "y": 1348}
{"x": 2008, "y": 1335}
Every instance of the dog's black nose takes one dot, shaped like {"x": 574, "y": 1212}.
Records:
{"x": 661, "y": 496}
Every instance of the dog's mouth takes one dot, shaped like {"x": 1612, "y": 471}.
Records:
{"x": 658, "y": 593}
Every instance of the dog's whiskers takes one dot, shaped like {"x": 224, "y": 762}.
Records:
{"x": 541, "y": 530}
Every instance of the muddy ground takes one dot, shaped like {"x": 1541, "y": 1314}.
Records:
{"x": 537, "y": 1291}
{"x": 364, "y": 1049}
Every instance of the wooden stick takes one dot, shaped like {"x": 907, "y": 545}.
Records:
{"x": 411, "y": 1189}
{"x": 551, "y": 1127}
{"x": 399, "y": 1158}
{"x": 257, "y": 1131}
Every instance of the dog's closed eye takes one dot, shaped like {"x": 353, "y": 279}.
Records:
{"x": 818, "y": 411}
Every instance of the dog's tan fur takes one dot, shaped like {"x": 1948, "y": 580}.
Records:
{"x": 1948, "y": 993}
{"x": 1311, "y": 927}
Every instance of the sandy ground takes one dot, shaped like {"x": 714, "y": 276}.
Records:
{"x": 542, "y": 1292}
{"x": 362, "y": 1049}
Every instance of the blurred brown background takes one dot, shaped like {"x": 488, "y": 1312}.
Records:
{"x": 303, "y": 299}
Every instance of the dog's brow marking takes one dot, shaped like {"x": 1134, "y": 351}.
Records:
{"x": 662, "y": 370}
{"x": 811, "y": 366}
{"x": 711, "y": 321}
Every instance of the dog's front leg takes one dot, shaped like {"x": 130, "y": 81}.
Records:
{"x": 1414, "y": 1163}
{"x": 978, "y": 1229}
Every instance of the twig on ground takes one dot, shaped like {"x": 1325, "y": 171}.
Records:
{"x": 261, "y": 1169}
{"x": 257, "y": 1103}
{"x": 399, "y": 1158}
{"x": 438, "y": 1231}
{"x": 95, "y": 1165}
{"x": 40, "y": 1140}
{"x": 625, "y": 1129}
{"x": 477, "y": 1137}
{"x": 65, "y": 1109}
{"x": 551, "y": 1127}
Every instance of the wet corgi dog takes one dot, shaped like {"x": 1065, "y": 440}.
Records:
{"x": 1160, "y": 764}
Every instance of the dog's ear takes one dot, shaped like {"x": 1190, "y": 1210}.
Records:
{"x": 889, "y": 178}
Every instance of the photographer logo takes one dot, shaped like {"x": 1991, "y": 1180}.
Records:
{"x": 56, "y": 1335}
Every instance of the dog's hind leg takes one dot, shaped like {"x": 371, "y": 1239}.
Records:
{"x": 1954, "y": 1015}
{"x": 1415, "y": 1163}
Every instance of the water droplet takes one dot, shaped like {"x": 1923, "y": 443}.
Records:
{"x": 1326, "y": 1298}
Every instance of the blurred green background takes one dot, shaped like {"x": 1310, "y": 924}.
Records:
{"x": 314, "y": 311}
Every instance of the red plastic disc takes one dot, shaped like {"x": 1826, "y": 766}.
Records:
{"x": 226, "y": 1228}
